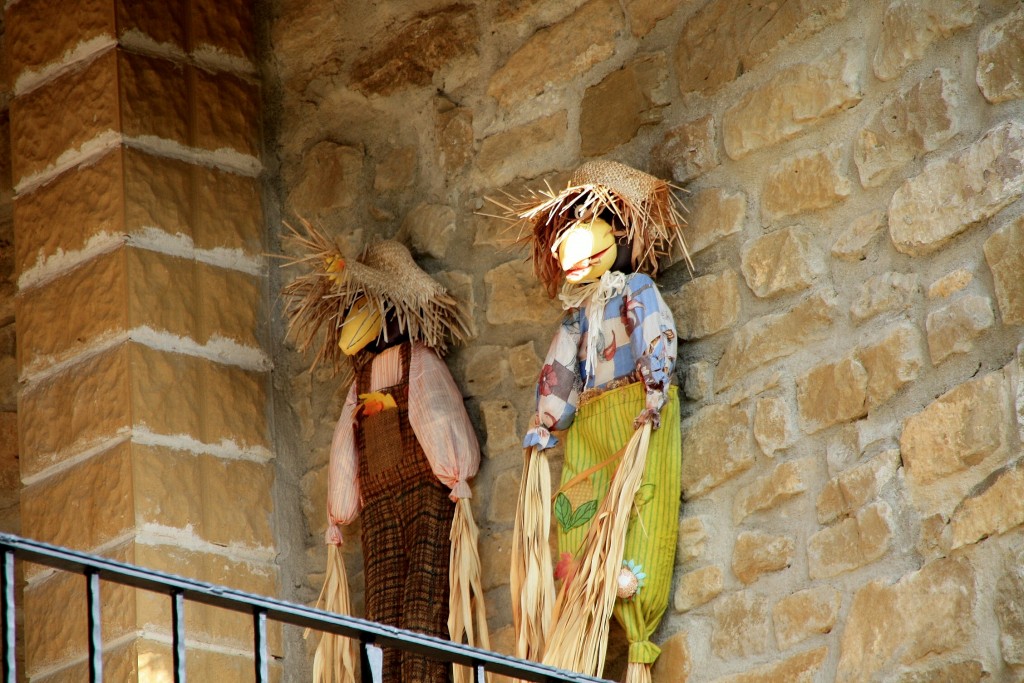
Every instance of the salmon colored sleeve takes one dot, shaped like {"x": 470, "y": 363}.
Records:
{"x": 438, "y": 417}
{"x": 343, "y": 473}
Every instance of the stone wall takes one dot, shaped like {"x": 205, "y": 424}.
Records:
{"x": 851, "y": 338}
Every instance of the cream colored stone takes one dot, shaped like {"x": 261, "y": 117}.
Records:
{"x": 395, "y": 171}
{"x": 716, "y": 447}
{"x": 851, "y": 543}
{"x": 854, "y": 488}
{"x": 329, "y": 179}
{"x": 994, "y": 508}
{"x": 892, "y": 362}
{"x": 454, "y": 131}
{"x": 907, "y": 126}
{"x": 706, "y": 305}
{"x": 614, "y": 110}
{"x": 674, "y": 663}
{"x": 559, "y": 53}
{"x": 775, "y": 336}
{"x": 781, "y": 262}
{"x": 515, "y": 297}
{"x": 999, "y": 56}
{"x": 484, "y": 369}
{"x": 795, "y": 99}
{"x": 804, "y": 182}
{"x": 950, "y": 284}
{"x": 741, "y": 626}
{"x": 967, "y": 671}
{"x": 832, "y": 393}
{"x": 690, "y": 150}
{"x": 697, "y": 381}
{"x": 698, "y": 587}
{"x": 692, "y": 540}
{"x": 801, "y": 668}
{"x": 1009, "y": 607}
{"x": 499, "y": 423}
{"x": 954, "y": 328}
{"x": 755, "y": 554}
{"x": 504, "y": 497}
{"x": 508, "y": 154}
{"x": 430, "y": 228}
{"x": 854, "y": 242}
{"x": 926, "y": 613}
{"x": 773, "y": 425}
{"x": 786, "y": 480}
{"x": 805, "y": 614}
{"x": 1004, "y": 252}
{"x": 525, "y": 364}
{"x": 909, "y": 27}
{"x": 975, "y": 183}
{"x": 888, "y": 292}
{"x": 715, "y": 214}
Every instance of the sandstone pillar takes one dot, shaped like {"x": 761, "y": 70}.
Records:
{"x": 135, "y": 134}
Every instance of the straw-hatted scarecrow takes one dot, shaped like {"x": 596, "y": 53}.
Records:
{"x": 607, "y": 381}
{"x": 402, "y": 454}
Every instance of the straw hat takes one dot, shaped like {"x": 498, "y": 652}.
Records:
{"x": 642, "y": 204}
{"x": 386, "y": 275}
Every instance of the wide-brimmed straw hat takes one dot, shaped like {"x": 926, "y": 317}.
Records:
{"x": 643, "y": 205}
{"x": 386, "y": 275}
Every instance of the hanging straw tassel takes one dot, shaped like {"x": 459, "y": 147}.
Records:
{"x": 335, "y": 658}
{"x": 531, "y": 580}
{"x": 638, "y": 672}
{"x": 579, "y": 631}
{"x": 467, "y": 614}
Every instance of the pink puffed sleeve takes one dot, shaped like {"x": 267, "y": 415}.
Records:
{"x": 342, "y": 472}
{"x": 438, "y": 417}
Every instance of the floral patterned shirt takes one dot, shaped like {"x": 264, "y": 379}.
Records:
{"x": 636, "y": 338}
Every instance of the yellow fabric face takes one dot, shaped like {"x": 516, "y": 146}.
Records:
{"x": 587, "y": 250}
{"x": 362, "y": 325}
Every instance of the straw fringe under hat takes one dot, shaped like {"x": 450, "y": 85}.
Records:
{"x": 386, "y": 274}
{"x": 644, "y": 205}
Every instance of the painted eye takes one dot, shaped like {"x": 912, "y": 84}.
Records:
{"x": 579, "y": 211}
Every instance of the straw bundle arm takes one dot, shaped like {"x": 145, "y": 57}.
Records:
{"x": 466, "y": 614}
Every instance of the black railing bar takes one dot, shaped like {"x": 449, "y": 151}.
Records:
{"x": 95, "y": 626}
{"x": 9, "y": 617}
{"x": 178, "y": 634}
{"x": 286, "y": 612}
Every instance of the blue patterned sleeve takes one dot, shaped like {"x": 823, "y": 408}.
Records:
{"x": 558, "y": 385}
{"x": 652, "y": 335}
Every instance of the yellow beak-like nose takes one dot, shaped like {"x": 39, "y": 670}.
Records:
{"x": 587, "y": 250}
{"x": 362, "y": 325}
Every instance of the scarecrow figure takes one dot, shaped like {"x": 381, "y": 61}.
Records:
{"x": 402, "y": 453}
{"x": 607, "y": 380}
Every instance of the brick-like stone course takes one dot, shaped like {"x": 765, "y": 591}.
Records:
{"x": 909, "y": 27}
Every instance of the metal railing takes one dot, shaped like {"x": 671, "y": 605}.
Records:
{"x": 180, "y": 590}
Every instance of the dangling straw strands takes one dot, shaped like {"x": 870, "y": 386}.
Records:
{"x": 530, "y": 581}
{"x": 583, "y": 610}
{"x": 466, "y": 614}
{"x": 335, "y": 658}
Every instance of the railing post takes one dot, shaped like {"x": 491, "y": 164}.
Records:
{"x": 178, "y": 634}
{"x": 260, "y": 630}
{"x": 92, "y": 580}
{"x": 9, "y": 621}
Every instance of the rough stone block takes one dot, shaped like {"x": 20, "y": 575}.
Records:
{"x": 495, "y": 558}
{"x": 805, "y": 182}
{"x": 706, "y": 305}
{"x": 697, "y": 381}
{"x": 975, "y": 183}
{"x": 1009, "y": 604}
{"x": 794, "y": 100}
{"x": 775, "y": 336}
{"x": 909, "y": 27}
{"x": 510, "y": 153}
{"x": 501, "y": 508}
{"x": 950, "y": 284}
{"x": 499, "y": 423}
{"x": 907, "y": 126}
{"x": 723, "y": 40}
{"x": 854, "y": 242}
{"x": 484, "y": 369}
{"x": 38, "y": 34}
{"x": 773, "y": 425}
{"x": 717, "y": 446}
{"x": 153, "y": 22}
{"x": 514, "y": 296}
{"x": 674, "y": 663}
{"x": 851, "y": 543}
{"x": 430, "y": 228}
{"x": 832, "y": 393}
{"x": 755, "y": 554}
{"x": 964, "y": 671}
{"x": 698, "y": 587}
{"x": 1004, "y": 252}
{"x": 559, "y": 53}
{"x": 645, "y": 14}
{"x": 742, "y": 625}
{"x": 157, "y": 193}
{"x": 415, "y": 50}
{"x": 993, "y": 508}
{"x": 854, "y": 488}
{"x": 801, "y": 668}
{"x": 804, "y": 614}
{"x": 955, "y": 442}
{"x": 687, "y": 151}
{"x": 692, "y": 540}
{"x": 787, "y": 480}
{"x": 88, "y": 101}
{"x": 954, "y": 328}
{"x": 616, "y": 108}
{"x": 525, "y": 364}
{"x": 329, "y": 178}
{"x": 454, "y": 132}
{"x": 224, "y": 27}
{"x": 891, "y": 363}
{"x": 230, "y": 306}
{"x": 781, "y": 262}
{"x": 926, "y": 613}
{"x": 395, "y": 170}
{"x": 143, "y": 83}
{"x": 888, "y": 292}
{"x": 999, "y": 58}
{"x": 716, "y": 214}
{"x": 225, "y": 113}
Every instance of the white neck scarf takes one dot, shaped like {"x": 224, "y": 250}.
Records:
{"x": 594, "y": 296}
